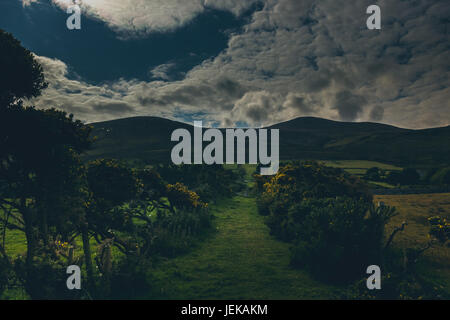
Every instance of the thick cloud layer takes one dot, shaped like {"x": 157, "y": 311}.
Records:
{"x": 294, "y": 58}
{"x": 140, "y": 17}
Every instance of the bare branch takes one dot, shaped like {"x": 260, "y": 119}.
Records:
{"x": 396, "y": 230}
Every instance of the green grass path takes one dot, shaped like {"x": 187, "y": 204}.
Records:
{"x": 239, "y": 261}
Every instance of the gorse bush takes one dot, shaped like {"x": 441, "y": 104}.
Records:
{"x": 337, "y": 239}
{"x": 303, "y": 180}
{"x": 180, "y": 196}
{"x": 327, "y": 215}
{"x": 210, "y": 182}
{"x": 439, "y": 228}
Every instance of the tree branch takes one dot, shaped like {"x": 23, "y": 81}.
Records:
{"x": 396, "y": 230}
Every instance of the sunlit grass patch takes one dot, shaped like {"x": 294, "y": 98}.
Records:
{"x": 358, "y": 164}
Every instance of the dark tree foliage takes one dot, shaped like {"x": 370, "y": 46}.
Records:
{"x": 111, "y": 182}
{"x": 143, "y": 217}
{"x": 21, "y": 76}
{"x": 40, "y": 165}
{"x": 41, "y": 173}
{"x": 120, "y": 196}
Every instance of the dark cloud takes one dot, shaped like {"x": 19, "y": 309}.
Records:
{"x": 317, "y": 83}
{"x": 185, "y": 95}
{"x": 112, "y": 107}
{"x": 256, "y": 114}
{"x": 349, "y": 105}
{"x": 298, "y": 103}
{"x": 377, "y": 113}
{"x": 230, "y": 87}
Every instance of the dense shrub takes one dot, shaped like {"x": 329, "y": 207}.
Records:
{"x": 327, "y": 215}
{"x": 210, "y": 182}
{"x": 300, "y": 181}
{"x": 439, "y": 229}
{"x": 337, "y": 238}
{"x": 181, "y": 197}
{"x": 130, "y": 278}
{"x": 175, "y": 233}
{"x": 304, "y": 180}
{"x": 47, "y": 279}
{"x": 396, "y": 286}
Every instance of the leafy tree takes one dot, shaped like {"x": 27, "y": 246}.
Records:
{"x": 113, "y": 187}
{"x": 21, "y": 76}
{"x": 111, "y": 184}
{"x": 40, "y": 169}
{"x": 140, "y": 215}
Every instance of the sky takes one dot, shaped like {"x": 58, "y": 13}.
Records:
{"x": 241, "y": 62}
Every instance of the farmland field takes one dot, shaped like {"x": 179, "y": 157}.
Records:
{"x": 415, "y": 210}
{"x": 359, "y": 164}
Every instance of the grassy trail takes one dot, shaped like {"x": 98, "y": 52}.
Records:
{"x": 240, "y": 261}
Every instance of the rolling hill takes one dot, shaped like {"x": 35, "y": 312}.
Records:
{"x": 148, "y": 139}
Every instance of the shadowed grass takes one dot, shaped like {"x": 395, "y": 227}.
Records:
{"x": 241, "y": 261}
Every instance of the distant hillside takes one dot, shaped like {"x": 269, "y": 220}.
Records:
{"x": 145, "y": 138}
{"x": 148, "y": 139}
{"x": 316, "y": 138}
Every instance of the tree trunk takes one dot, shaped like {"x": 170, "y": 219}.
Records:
{"x": 87, "y": 256}
{"x": 31, "y": 241}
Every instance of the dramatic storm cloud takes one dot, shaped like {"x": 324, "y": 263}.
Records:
{"x": 285, "y": 58}
{"x": 138, "y": 17}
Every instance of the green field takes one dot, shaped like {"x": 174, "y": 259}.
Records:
{"x": 358, "y": 164}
